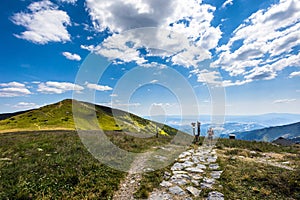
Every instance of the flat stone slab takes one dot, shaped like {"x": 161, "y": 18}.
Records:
{"x": 196, "y": 183}
{"x": 194, "y": 169}
{"x": 200, "y": 166}
{"x": 160, "y": 196}
{"x": 216, "y": 174}
{"x": 179, "y": 181}
{"x": 184, "y": 159}
{"x": 179, "y": 172}
{"x": 206, "y": 185}
{"x": 209, "y": 180}
{"x": 184, "y": 154}
{"x": 215, "y": 196}
{"x": 195, "y": 159}
{"x": 176, "y": 190}
{"x": 214, "y": 166}
{"x": 211, "y": 159}
{"x": 177, "y": 166}
{"x": 188, "y": 164}
{"x": 165, "y": 184}
{"x": 196, "y": 177}
{"x": 194, "y": 191}
{"x": 180, "y": 176}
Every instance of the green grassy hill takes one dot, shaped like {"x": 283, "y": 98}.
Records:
{"x": 43, "y": 157}
{"x": 59, "y": 116}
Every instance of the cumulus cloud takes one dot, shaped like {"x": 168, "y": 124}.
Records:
{"x": 226, "y": 3}
{"x": 13, "y": 89}
{"x": 184, "y": 32}
{"x": 264, "y": 44}
{"x": 284, "y": 101}
{"x": 71, "y": 56}
{"x": 98, "y": 87}
{"x": 43, "y": 22}
{"x": 294, "y": 74}
{"x": 12, "y": 84}
{"x": 25, "y": 105}
{"x": 68, "y": 1}
{"x": 52, "y": 87}
{"x": 209, "y": 77}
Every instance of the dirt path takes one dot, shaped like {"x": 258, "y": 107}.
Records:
{"x": 132, "y": 181}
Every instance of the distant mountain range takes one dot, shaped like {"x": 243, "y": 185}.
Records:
{"x": 291, "y": 131}
{"x": 236, "y": 124}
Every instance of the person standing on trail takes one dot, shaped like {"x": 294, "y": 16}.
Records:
{"x": 210, "y": 135}
{"x": 198, "y": 131}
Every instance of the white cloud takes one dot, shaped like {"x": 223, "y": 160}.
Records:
{"x": 13, "y": 89}
{"x": 163, "y": 105}
{"x": 71, "y": 56}
{"x": 52, "y": 87}
{"x": 227, "y": 2}
{"x": 209, "y": 77}
{"x": 154, "y": 81}
{"x": 263, "y": 45}
{"x": 184, "y": 31}
{"x": 113, "y": 95}
{"x": 229, "y": 83}
{"x": 121, "y": 105}
{"x": 294, "y": 74}
{"x": 284, "y": 101}
{"x": 43, "y": 23}
{"x": 36, "y": 82}
{"x": 25, "y": 105}
{"x": 12, "y": 84}
{"x": 98, "y": 87}
{"x": 68, "y": 1}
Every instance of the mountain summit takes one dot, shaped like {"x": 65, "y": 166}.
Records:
{"x": 59, "y": 116}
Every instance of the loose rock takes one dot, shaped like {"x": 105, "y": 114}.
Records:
{"x": 176, "y": 190}
{"x": 165, "y": 184}
{"x": 214, "y": 166}
{"x": 194, "y": 191}
{"x": 215, "y": 196}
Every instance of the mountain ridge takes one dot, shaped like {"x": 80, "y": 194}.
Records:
{"x": 269, "y": 134}
{"x": 59, "y": 116}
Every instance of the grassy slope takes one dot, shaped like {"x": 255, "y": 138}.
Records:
{"x": 59, "y": 116}
{"x": 56, "y": 165}
{"x": 245, "y": 178}
{"x": 52, "y": 165}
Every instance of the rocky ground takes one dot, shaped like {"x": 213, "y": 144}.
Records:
{"x": 194, "y": 171}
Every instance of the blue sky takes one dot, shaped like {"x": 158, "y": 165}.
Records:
{"x": 163, "y": 57}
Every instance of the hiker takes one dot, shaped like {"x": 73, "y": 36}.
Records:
{"x": 210, "y": 135}
{"x": 198, "y": 132}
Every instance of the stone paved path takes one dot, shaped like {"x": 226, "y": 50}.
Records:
{"x": 132, "y": 181}
{"x": 193, "y": 171}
